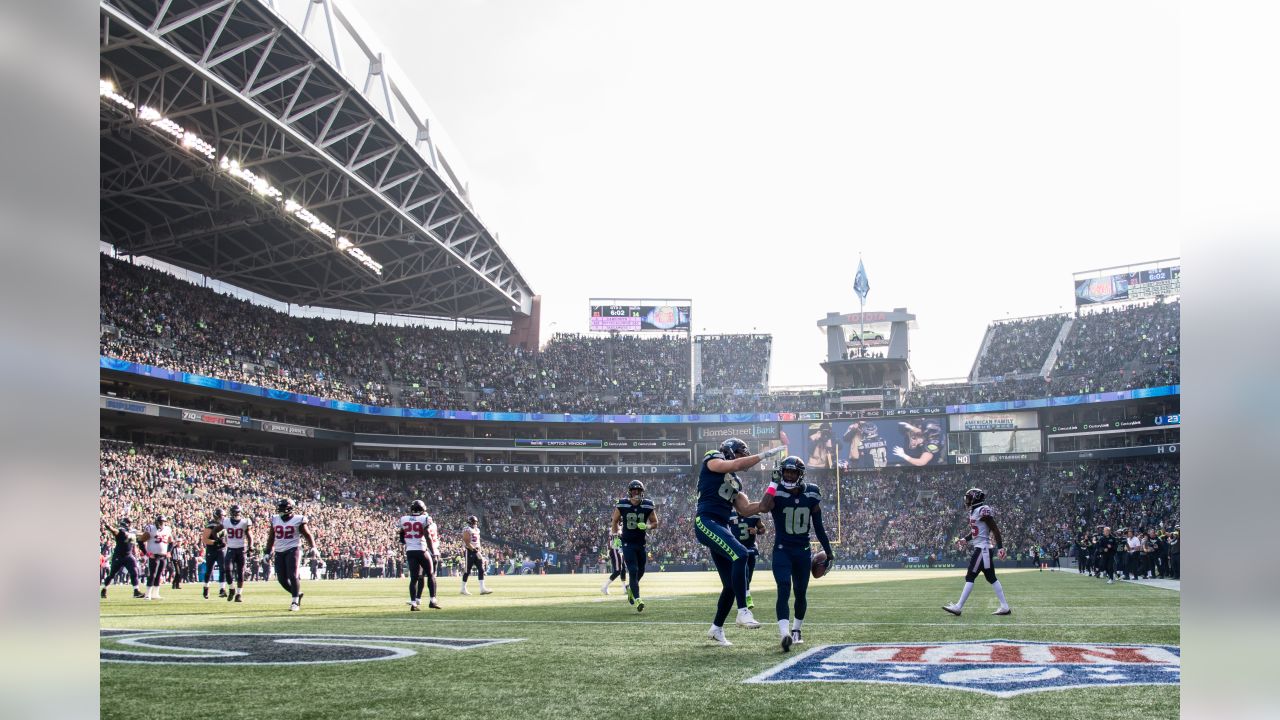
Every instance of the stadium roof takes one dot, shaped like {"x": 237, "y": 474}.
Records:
{"x": 235, "y": 146}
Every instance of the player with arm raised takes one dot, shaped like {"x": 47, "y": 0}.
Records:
{"x": 213, "y": 539}
{"x": 633, "y": 517}
{"x": 471, "y": 541}
{"x": 796, "y": 509}
{"x": 982, "y": 530}
{"x": 286, "y": 536}
{"x": 420, "y": 553}
{"x": 239, "y": 543}
{"x": 122, "y": 556}
{"x": 719, "y": 493}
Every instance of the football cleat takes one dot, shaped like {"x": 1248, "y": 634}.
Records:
{"x": 137, "y": 594}
{"x": 238, "y": 598}
{"x": 1109, "y": 581}
{"x": 434, "y": 605}
{"x": 1003, "y": 611}
{"x": 465, "y": 592}
{"x": 232, "y": 595}
{"x": 796, "y": 639}
{"x": 222, "y": 592}
{"x": 717, "y": 634}
{"x": 747, "y": 620}
{"x": 413, "y": 607}
{"x": 786, "y": 643}
{"x": 299, "y": 600}
{"x": 293, "y": 607}
{"x": 486, "y": 592}
{"x": 630, "y": 598}
{"x": 952, "y": 608}
{"x": 206, "y": 592}
{"x": 639, "y": 606}
{"x": 751, "y": 604}
{"x": 604, "y": 589}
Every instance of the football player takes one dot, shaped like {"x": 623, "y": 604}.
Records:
{"x": 982, "y": 530}
{"x": 796, "y": 509}
{"x": 239, "y": 541}
{"x": 471, "y": 541}
{"x": 748, "y": 529}
{"x": 867, "y": 448}
{"x": 923, "y": 445}
{"x": 286, "y": 536}
{"x": 421, "y": 554}
{"x": 122, "y": 557}
{"x": 214, "y": 539}
{"x": 617, "y": 566}
{"x": 633, "y": 517}
{"x": 719, "y": 493}
{"x": 154, "y": 540}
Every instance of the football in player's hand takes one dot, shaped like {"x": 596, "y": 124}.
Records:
{"x": 819, "y": 565}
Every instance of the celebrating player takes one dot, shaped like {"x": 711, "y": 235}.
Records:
{"x": 617, "y": 566}
{"x": 795, "y": 510}
{"x": 287, "y": 532}
{"x": 747, "y": 529}
{"x": 720, "y": 492}
{"x": 421, "y": 553}
{"x": 239, "y": 539}
{"x": 923, "y": 444}
{"x": 214, "y": 539}
{"x": 982, "y": 528}
{"x": 122, "y": 557}
{"x": 633, "y": 517}
{"x": 155, "y": 539}
{"x": 471, "y": 541}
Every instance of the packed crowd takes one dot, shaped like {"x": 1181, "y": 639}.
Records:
{"x": 734, "y": 361}
{"x": 889, "y": 514}
{"x": 1019, "y": 346}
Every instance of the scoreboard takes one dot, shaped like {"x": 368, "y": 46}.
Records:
{"x": 628, "y": 318}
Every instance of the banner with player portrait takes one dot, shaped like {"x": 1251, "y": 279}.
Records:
{"x": 868, "y": 443}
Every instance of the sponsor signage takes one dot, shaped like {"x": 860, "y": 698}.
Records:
{"x": 757, "y": 431}
{"x": 397, "y": 466}
{"x": 1003, "y": 668}
{"x": 212, "y": 418}
{"x": 287, "y": 429}
{"x": 592, "y": 443}
{"x": 1125, "y": 424}
{"x": 129, "y": 406}
{"x": 1009, "y": 457}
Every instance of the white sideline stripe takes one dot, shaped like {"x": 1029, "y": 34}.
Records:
{"x": 823, "y": 624}
{"x": 1174, "y": 585}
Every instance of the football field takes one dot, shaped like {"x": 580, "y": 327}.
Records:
{"x": 570, "y": 652}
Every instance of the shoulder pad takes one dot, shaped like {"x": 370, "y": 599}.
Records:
{"x": 646, "y": 503}
{"x": 622, "y": 503}
{"x": 711, "y": 455}
{"x": 812, "y": 491}
{"x": 932, "y": 448}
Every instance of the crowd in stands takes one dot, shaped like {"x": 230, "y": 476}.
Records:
{"x": 890, "y": 514}
{"x": 735, "y": 361}
{"x": 1019, "y": 346}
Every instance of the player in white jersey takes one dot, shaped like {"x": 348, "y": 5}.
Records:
{"x": 155, "y": 539}
{"x": 420, "y": 538}
{"x": 982, "y": 530}
{"x": 287, "y": 533}
{"x": 471, "y": 541}
{"x": 239, "y": 543}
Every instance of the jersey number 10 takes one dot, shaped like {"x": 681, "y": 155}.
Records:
{"x": 797, "y": 520}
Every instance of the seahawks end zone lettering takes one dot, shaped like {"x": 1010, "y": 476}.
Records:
{"x": 198, "y": 647}
{"x": 1003, "y": 668}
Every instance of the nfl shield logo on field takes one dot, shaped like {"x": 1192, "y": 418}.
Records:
{"x": 1003, "y": 668}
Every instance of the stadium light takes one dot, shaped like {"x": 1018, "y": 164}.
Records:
{"x": 256, "y": 183}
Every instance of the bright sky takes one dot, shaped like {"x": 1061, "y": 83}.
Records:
{"x": 744, "y": 154}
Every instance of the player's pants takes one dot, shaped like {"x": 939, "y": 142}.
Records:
{"x": 474, "y": 560}
{"x": 127, "y": 563}
{"x": 730, "y": 557}
{"x": 287, "y": 570}
{"x": 617, "y": 565}
{"x": 634, "y": 556}
{"x": 233, "y": 566}
{"x": 1175, "y": 565}
{"x": 155, "y": 569}
{"x": 214, "y": 557}
{"x": 752, "y": 555}
{"x": 1108, "y": 566}
{"x": 980, "y": 562}
{"x": 791, "y": 567}
{"x": 421, "y": 570}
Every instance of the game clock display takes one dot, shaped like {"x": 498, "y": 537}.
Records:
{"x": 609, "y": 318}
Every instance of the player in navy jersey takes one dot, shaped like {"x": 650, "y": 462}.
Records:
{"x": 719, "y": 493}
{"x": 122, "y": 557}
{"x": 796, "y": 509}
{"x": 214, "y": 540}
{"x": 633, "y": 517}
{"x": 867, "y": 448}
{"x": 747, "y": 530}
{"x": 617, "y": 566}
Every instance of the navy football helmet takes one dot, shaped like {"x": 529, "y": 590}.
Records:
{"x": 791, "y": 473}
{"x": 733, "y": 448}
{"x": 635, "y": 486}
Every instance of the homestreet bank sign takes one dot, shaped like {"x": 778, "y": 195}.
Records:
{"x": 514, "y": 469}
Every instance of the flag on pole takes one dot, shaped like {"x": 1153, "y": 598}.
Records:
{"x": 860, "y": 284}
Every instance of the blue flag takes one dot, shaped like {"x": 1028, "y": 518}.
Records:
{"x": 860, "y": 284}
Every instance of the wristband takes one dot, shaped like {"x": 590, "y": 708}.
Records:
{"x": 772, "y": 489}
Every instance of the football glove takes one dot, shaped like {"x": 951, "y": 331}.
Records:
{"x": 642, "y": 526}
{"x": 765, "y": 455}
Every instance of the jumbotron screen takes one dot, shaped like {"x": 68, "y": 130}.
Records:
{"x": 629, "y": 318}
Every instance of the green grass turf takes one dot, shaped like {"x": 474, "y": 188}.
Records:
{"x": 589, "y": 656}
